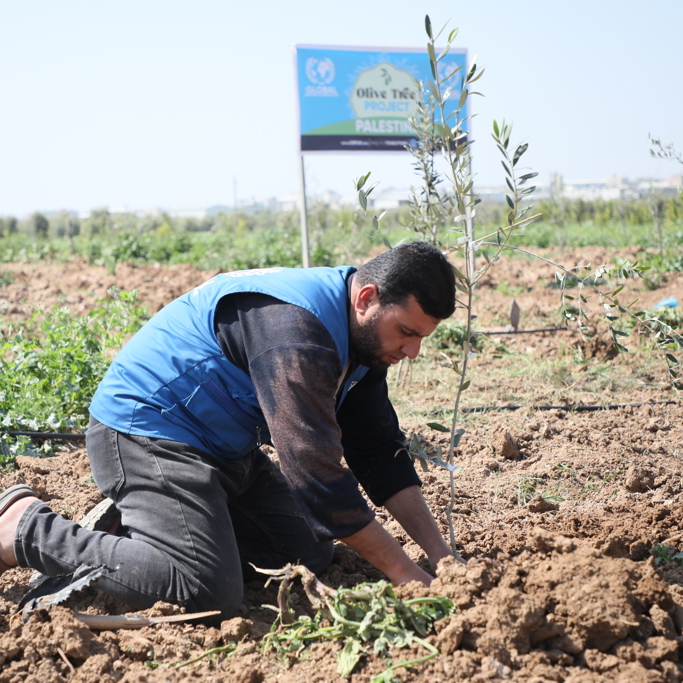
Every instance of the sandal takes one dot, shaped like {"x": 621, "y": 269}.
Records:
{"x": 7, "y": 499}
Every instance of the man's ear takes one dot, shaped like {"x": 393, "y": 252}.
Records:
{"x": 366, "y": 296}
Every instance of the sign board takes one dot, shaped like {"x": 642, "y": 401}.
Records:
{"x": 361, "y": 98}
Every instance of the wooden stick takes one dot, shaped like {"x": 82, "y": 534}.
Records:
{"x": 110, "y": 622}
{"x": 61, "y": 653}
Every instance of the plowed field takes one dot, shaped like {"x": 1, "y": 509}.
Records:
{"x": 556, "y": 511}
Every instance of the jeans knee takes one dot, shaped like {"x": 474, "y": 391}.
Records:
{"x": 321, "y": 558}
{"x": 224, "y": 596}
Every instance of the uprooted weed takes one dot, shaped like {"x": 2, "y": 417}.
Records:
{"x": 368, "y": 618}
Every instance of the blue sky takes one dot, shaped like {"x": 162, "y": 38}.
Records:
{"x": 171, "y": 103}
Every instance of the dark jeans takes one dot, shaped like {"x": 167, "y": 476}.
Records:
{"x": 194, "y": 523}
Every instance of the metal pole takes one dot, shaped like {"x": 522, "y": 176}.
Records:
{"x": 305, "y": 259}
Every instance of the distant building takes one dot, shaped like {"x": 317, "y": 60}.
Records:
{"x": 391, "y": 198}
{"x": 196, "y": 212}
{"x": 291, "y": 202}
{"x": 608, "y": 189}
{"x": 612, "y": 188}
{"x": 262, "y": 205}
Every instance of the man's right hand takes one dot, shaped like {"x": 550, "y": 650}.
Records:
{"x": 383, "y": 551}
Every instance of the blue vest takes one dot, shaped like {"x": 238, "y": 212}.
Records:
{"x": 172, "y": 381}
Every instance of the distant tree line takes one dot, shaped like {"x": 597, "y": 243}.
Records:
{"x": 558, "y": 211}
{"x": 100, "y": 222}
{"x": 562, "y": 211}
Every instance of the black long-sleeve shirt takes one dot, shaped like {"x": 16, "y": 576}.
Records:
{"x": 295, "y": 368}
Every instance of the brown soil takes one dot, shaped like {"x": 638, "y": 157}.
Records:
{"x": 556, "y": 512}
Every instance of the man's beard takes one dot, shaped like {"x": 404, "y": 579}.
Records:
{"x": 366, "y": 345}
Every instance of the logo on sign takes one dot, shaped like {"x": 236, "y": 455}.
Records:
{"x": 383, "y": 99}
{"x": 320, "y": 71}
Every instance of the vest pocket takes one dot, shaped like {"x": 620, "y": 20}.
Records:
{"x": 220, "y": 423}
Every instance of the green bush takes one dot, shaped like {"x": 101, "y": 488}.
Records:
{"x": 50, "y": 368}
{"x": 451, "y": 334}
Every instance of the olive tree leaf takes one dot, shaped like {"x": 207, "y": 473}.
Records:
{"x": 362, "y": 180}
{"x": 518, "y": 153}
{"x": 428, "y": 27}
{"x": 457, "y": 436}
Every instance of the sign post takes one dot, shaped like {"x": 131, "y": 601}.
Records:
{"x": 305, "y": 254}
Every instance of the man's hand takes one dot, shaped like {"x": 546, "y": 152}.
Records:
{"x": 383, "y": 551}
{"x": 409, "y": 509}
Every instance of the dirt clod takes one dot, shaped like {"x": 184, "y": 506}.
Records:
{"x": 638, "y": 479}
{"x": 541, "y": 504}
{"x": 236, "y": 629}
{"x": 505, "y": 446}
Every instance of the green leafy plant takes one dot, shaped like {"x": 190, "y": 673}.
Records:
{"x": 11, "y": 447}
{"x": 451, "y": 334}
{"x": 51, "y": 366}
{"x": 366, "y": 618}
{"x": 665, "y": 553}
{"x": 224, "y": 650}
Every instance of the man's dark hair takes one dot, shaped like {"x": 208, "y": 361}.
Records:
{"x": 417, "y": 268}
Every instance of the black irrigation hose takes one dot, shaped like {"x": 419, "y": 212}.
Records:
{"x": 476, "y": 409}
{"x": 577, "y": 409}
{"x": 544, "y": 329}
{"x": 49, "y": 435}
